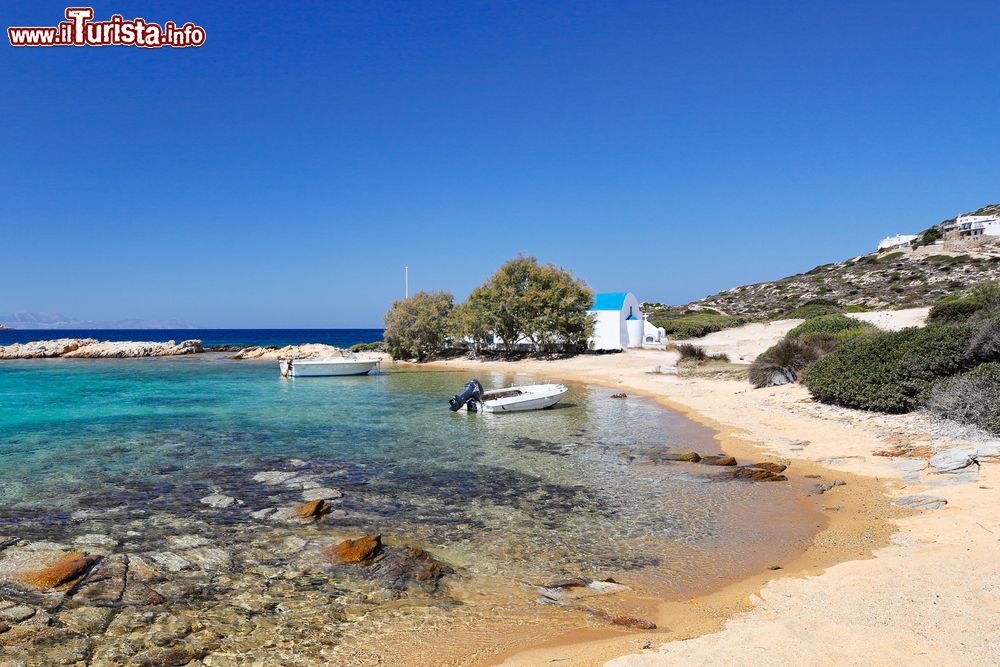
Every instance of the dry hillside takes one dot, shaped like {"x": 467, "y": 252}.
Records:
{"x": 902, "y": 278}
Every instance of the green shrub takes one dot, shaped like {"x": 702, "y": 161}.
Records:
{"x": 927, "y": 237}
{"x": 782, "y": 363}
{"x": 695, "y": 353}
{"x": 828, "y": 324}
{"x": 889, "y": 371}
{"x": 954, "y": 309}
{"x": 971, "y": 398}
{"x": 697, "y": 325}
{"x": 812, "y": 310}
{"x": 377, "y": 346}
{"x": 892, "y": 257}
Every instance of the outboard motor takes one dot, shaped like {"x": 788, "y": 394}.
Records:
{"x": 473, "y": 392}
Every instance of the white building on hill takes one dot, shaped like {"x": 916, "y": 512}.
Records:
{"x": 897, "y": 241}
{"x": 975, "y": 225}
{"x": 619, "y": 323}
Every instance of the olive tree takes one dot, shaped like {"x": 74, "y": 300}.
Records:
{"x": 541, "y": 303}
{"x": 417, "y": 325}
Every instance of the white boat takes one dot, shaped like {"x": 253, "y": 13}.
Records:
{"x": 327, "y": 366}
{"x": 511, "y": 399}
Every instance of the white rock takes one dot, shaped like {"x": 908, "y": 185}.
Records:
{"x": 17, "y": 614}
{"x": 211, "y": 558}
{"x": 218, "y": 501}
{"x": 273, "y": 477}
{"x": 263, "y": 514}
{"x": 187, "y": 541}
{"x": 96, "y": 540}
{"x": 953, "y": 460}
{"x": 170, "y": 562}
{"x": 303, "y": 482}
{"x": 919, "y": 502}
{"x": 988, "y": 450}
{"x": 321, "y": 493}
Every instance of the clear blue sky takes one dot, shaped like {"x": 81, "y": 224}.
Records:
{"x": 283, "y": 174}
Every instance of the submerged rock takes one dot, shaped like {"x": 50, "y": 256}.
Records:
{"x": 65, "y": 568}
{"x": 169, "y": 561}
{"x": 218, "y": 501}
{"x": 17, "y": 613}
{"x": 321, "y": 493}
{"x": 313, "y": 509}
{"x": 87, "y": 620}
{"x": 273, "y": 477}
{"x": 356, "y": 551}
{"x": 633, "y": 622}
{"x": 96, "y": 540}
{"x": 407, "y": 568}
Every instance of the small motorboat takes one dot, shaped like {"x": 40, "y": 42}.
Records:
{"x": 323, "y": 367}
{"x": 510, "y": 399}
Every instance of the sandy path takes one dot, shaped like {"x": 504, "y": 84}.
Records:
{"x": 744, "y": 343}
{"x": 931, "y": 596}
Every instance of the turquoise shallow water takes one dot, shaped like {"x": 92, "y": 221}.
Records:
{"x": 88, "y": 445}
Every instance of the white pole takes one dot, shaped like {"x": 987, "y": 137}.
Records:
{"x": 406, "y": 282}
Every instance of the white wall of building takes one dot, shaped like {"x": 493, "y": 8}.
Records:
{"x": 896, "y": 241}
{"x": 611, "y": 330}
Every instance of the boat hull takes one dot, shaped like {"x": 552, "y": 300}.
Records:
{"x": 526, "y": 402}
{"x": 310, "y": 368}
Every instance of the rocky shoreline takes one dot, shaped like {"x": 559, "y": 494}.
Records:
{"x": 91, "y": 348}
{"x": 226, "y": 584}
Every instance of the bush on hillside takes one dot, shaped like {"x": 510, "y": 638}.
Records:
{"x": 889, "y": 371}
{"x": 988, "y": 294}
{"x": 927, "y": 237}
{"x": 981, "y": 302}
{"x": 954, "y": 309}
{"x": 698, "y": 324}
{"x": 970, "y": 398}
{"x": 812, "y": 310}
{"x": 985, "y": 344}
{"x": 829, "y": 324}
{"x": 695, "y": 353}
{"x": 782, "y": 363}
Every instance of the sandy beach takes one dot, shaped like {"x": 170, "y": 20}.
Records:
{"x": 881, "y": 584}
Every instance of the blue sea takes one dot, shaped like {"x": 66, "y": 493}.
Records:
{"x": 126, "y": 454}
{"x": 208, "y": 337}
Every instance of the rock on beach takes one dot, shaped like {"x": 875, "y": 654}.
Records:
{"x": 953, "y": 460}
{"x": 919, "y": 502}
